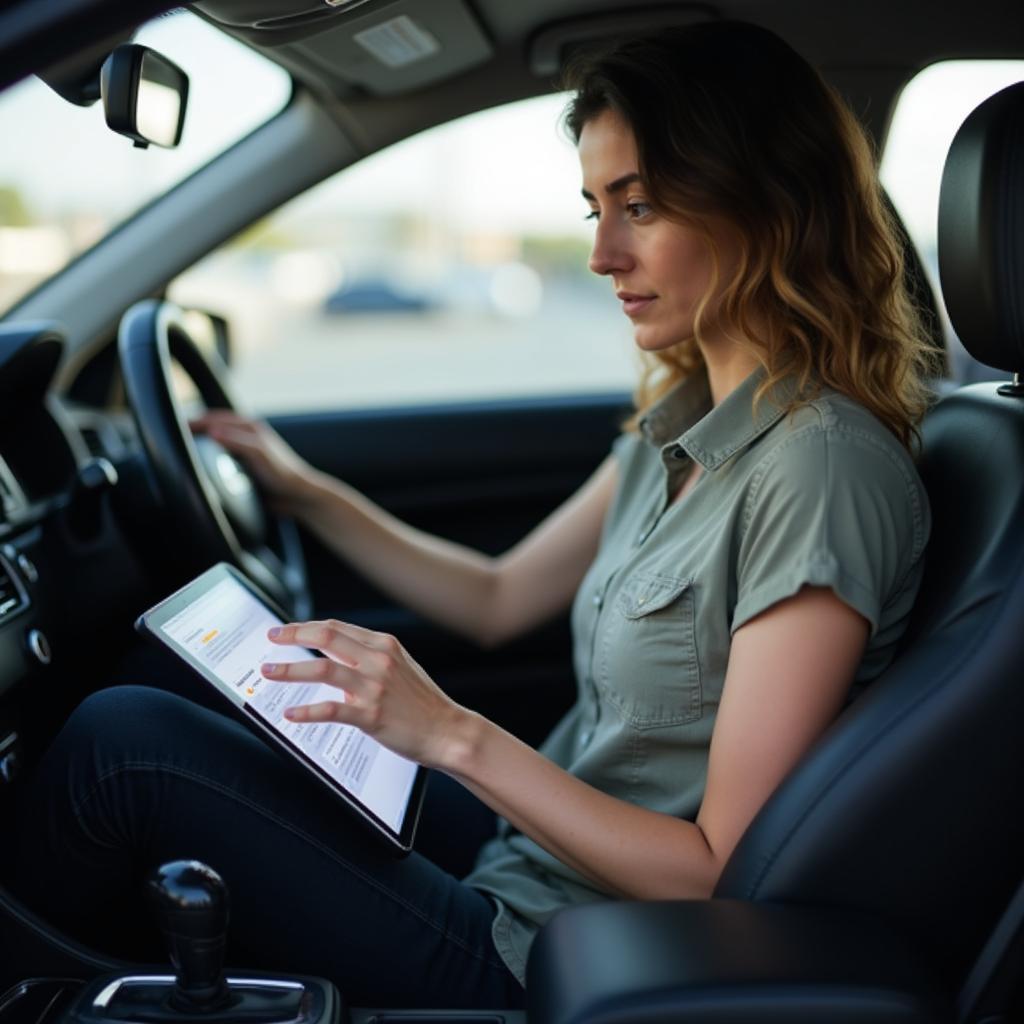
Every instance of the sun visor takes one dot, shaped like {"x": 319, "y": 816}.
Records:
{"x": 384, "y": 47}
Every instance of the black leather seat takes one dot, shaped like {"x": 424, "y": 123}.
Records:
{"x": 869, "y": 884}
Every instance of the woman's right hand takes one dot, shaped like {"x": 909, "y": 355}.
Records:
{"x": 287, "y": 479}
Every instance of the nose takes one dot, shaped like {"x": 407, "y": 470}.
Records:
{"x": 611, "y": 251}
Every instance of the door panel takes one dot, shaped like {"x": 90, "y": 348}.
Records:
{"x": 482, "y": 474}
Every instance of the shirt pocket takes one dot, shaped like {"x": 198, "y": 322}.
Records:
{"x": 649, "y": 671}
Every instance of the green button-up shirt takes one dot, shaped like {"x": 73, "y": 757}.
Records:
{"x": 825, "y": 497}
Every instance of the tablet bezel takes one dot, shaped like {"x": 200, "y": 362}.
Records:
{"x": 149, "y": 624}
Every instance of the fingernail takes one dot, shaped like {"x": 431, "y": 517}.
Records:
{"x": 290, "y": 713}
{"x": 270, "y": 668}
{"x": 274, "y": 631}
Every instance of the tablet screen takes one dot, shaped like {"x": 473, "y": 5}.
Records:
{"x": 222, "y": 631}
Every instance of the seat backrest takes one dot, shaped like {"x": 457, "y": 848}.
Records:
{"x": 909, "y": 807}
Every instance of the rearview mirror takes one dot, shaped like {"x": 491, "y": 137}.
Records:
{"x": 144, "y": 96}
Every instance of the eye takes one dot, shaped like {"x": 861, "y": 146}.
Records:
{"x": 637, "y": 209}
{"x": 593, "y": 215}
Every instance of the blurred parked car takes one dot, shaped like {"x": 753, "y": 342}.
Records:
{"x": 376, "y": 295}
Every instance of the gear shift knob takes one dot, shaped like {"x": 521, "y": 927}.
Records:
{"x": 191, "y": 902}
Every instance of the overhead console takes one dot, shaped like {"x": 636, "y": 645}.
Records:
{"x": 384, "y": 47}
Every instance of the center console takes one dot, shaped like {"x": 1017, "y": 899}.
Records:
{"x": 191, "y": 905}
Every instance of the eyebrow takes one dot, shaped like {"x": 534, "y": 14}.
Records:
{"x": 615, "y": 186}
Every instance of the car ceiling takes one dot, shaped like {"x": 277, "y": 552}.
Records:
{"x": 870, "y": 31}
{"x": 868, "y": 49}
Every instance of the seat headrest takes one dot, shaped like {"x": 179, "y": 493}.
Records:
{"x": 981, "y": 231}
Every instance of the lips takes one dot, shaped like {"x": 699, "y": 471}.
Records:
{"x": 634, "y": 304}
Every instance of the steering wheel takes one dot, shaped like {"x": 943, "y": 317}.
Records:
{"x": 218, "y": 512}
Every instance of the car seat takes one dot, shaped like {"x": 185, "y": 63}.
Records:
{"x": 878, "y": 882}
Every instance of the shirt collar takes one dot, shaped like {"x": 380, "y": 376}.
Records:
{"x": 684, "y": 418}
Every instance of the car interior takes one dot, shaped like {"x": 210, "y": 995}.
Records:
{"x": 883, "y": 879}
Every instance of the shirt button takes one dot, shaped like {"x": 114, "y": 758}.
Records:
{"x": 585, "y": 737}
{"x": 679, "y": 453}
{"x": 597, "y": 600}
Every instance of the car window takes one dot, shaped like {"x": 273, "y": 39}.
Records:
{"x": 931, "y": 108}
{"x": 66, "y": 180}
{"x": 450, "y": 266}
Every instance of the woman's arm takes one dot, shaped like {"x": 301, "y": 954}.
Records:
{"x": 789, "y": 671}
{"x": 489, "y": 600}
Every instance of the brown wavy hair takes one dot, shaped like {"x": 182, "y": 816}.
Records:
{"x": 729, "y": 120}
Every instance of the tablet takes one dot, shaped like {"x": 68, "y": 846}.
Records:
{"x": 218, "y": 625}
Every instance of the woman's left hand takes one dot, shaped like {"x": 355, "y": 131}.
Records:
{"x": 386, "y": 694}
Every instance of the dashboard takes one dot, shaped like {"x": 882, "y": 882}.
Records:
{"x": 72, "y": 574}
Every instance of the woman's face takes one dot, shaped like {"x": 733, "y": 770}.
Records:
{"x": 660, "y": 269}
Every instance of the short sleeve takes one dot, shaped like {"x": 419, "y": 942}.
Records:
{"x": 828, "y": 508}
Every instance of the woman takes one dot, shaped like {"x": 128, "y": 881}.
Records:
{"x": 747, "y": 555}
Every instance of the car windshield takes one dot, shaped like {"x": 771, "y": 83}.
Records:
{"x": 66, "y": 180}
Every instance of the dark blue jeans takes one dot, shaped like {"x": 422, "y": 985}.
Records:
{"x": 139, "y": 777}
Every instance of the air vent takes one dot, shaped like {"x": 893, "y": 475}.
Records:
{"x": 11, "y": 498}
{"x": 102, "y": 438}
{"x": 93, "y": 441}
{"x": 12, "y": 596}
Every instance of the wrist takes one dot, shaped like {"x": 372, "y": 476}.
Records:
{"x": 459, "y": 750}
{"x": 308, "y": 494}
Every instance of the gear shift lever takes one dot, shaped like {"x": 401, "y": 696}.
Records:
{"x": 191, "y": 903}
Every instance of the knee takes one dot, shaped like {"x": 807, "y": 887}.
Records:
{"x": 101, "y": 733}
{"x": 119, "y": 704}
{"x": 116, "y": 718}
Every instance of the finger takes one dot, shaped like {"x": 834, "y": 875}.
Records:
{"x": 371, "y": 638}
{"x": 214, "y": 417}
{"x": 223, "y": 431}
{"x": 325, "y": 711}
{"x": 329, "y": 630}
{"x": 222, "y": 415}
{"x": 236, "y": 440}
{"x": 323, "y": 636}
{"x": 313, "y": 670}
